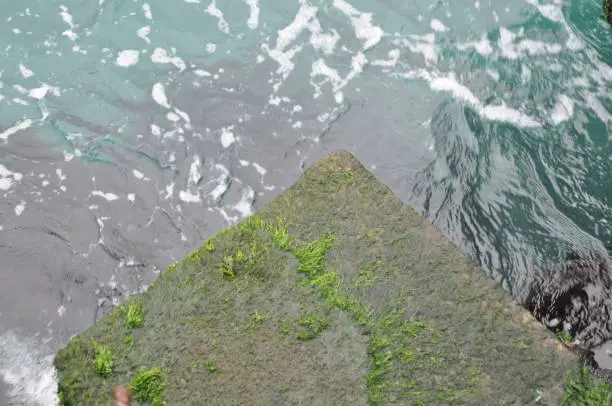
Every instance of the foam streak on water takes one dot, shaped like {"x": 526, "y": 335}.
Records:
{"x": 30, "y": 374}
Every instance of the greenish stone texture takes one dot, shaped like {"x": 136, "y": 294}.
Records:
{"x": 335, "y": 293}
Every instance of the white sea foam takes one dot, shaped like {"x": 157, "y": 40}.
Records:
{"x": 494, "y": 74}
{"x": 551, "y": 11}
{"x": 320, "y": 41}
{"x": 437, "y": 25}
{"x": 195, "y": 172}
{"x": 449, "y": 83}
{"x": 504, "y": 113}
{"x": 108, "y": 196}
{"x": 25, "y": 72}
{"x": 285, "y": 48}
{"x": 222, "y": 181}
{"x": 169, "y": 191}
{"x": 160, "y": 55}
{"x": 159, "y": 95}
{"x": 29, "y": 374}
{"x": 172, "y": 116}
{"x": 193, "y": 177}
{"x": 514, "y": 50}
{"x": 155, "y": 130}
{"x": 262, "y": 172}
{"x": 362, "y": 24}
{"x": 260, "y": 169}
{"x": 421, "y": 44}
{"x": 20, "y": 89}
{"x": 393, "y": 55}
{"x": 189, "y": 197}
{"x": 320, "y": 68}
{"x": 215, "y": 12}
{"x": 8, "y": 178}
{"x": 244, "y": 207}
{"x": 227, "y": 136}
{"x": 143, "y": 32}
{"x": 286, "y": 36}
{"x": 595, "y": 104}
{"x": 202, "y": 73}
{"x": 67, "y": 17}
{"x": 146, "y": 8}
{"x": 19, "y": 126}
{"x": 128, "y": 57}
{"x": 40, "y": 92}
{"x": 18, "y": 100}
{"x": 482, "y": 46}
{"x": 563, "y": 110}
{"x": 554, "y": 12}
{"x": 253, "y": 20}
{"x": 184, "y": 116}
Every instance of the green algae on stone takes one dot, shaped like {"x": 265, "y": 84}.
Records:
{"x": 408, "y": 319}
{"x": 227, "y": 268}
{"x": 76, "y": 362}
{"x": 258, "y": 318}
{"x": 148, "y": 386}
{"x": 280, "y": 235}
{"x": 311, "y": 256}
{"x": 103, "y": 361}
{"x": 565, "y": 338}
{"x": 208, "y": 244}
{"x": 581, "y": 389}
{"x": 211, "y": 366}
{"x": 134, "y": 316}
{"x": 312, "y": 326}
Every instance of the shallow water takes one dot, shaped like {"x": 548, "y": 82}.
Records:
{"x": 132, "y": 130}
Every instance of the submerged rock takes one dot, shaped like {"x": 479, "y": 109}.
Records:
{"x": 575, "y": 299}
{"x": 335, "y": 293}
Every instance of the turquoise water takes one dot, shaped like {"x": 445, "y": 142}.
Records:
{"x": 131, "y": 130}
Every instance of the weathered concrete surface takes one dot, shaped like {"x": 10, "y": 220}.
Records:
{"x": 380, "y": 309}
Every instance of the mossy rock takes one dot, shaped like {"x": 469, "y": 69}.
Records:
{"x": 335, "y": 293}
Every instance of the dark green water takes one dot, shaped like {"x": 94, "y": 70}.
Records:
{"x": 131, "y": 130}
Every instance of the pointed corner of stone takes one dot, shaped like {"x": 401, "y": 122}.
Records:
{"x": 338, "y": 159}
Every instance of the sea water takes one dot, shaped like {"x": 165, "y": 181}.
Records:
{"x": 132, "y": 130}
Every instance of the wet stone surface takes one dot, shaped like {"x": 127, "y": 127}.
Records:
{"x": 334, "y": 293}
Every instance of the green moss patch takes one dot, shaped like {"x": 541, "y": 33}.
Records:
{"x": 103, "y": 363}
{"x": 134, "y": 317}
{"x": 311, "y": 326}
{"x": 581, "y": 389}
{"x": 148, "y": 386}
